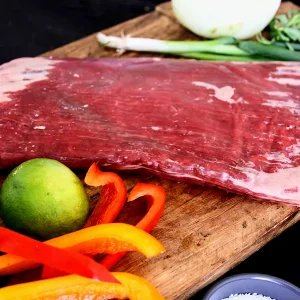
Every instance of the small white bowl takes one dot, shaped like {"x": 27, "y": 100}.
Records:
{"x": 265, "y": 285}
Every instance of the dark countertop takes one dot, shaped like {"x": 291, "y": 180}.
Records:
{"x": 31, "y": 27}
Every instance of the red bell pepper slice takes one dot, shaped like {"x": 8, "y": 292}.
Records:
{"x": 112, "y": 199}
{"x": 156, "y": 198}
{"x": 66, "y": 261}
{"x": 51, "y": 273}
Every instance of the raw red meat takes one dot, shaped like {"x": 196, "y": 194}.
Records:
{"x": 233, "y": 125}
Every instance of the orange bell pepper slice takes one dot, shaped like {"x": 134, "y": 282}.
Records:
{"x": 74, "y": 287}
{"x": 156, "y": 198}
{"x": 112, "y": 199}
{"x": 104, "y": 238}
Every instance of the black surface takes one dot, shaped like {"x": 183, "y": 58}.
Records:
{"x": 31, "y": 27}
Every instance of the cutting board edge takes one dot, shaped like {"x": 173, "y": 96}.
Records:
{"x": 288, "y": 222}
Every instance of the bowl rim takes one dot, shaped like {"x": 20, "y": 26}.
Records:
{"x": 259, "y": 276}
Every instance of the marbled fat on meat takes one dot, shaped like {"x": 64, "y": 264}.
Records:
{"x": 232, "y": 125}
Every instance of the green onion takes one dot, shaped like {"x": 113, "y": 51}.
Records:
{"x": 218, "y": 46}
{"x": 274, "y": 52}
{"x": 226, "y": 48}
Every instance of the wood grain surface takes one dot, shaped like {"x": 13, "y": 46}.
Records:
{"x": 206, "y": 231}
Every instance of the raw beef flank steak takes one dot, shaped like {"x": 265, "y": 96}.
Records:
{"x": 233, "y": 125}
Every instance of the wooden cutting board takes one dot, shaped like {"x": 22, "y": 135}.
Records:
{"x": 206, "y": 231}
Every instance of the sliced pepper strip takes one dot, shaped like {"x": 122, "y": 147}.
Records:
{"x": 48, "y": 273}
{"x": 74, "y": 287}
{"x": 61, "y": 259}
{"x": 112, "y": 199}
{"x": 156, "y": 198}
{"x": 92, "y": 240}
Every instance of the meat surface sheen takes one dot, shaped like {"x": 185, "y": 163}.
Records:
{"x": 231, "y": 125}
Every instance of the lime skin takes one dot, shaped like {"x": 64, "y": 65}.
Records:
{"x": 43, "y": 198}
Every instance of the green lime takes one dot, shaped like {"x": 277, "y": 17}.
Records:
{"x": 43, "y": 198}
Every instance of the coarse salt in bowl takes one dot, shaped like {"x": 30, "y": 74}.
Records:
{"x": 248, "y": 297}
{"x": 253, "y": 287}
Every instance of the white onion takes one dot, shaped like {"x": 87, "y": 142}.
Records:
{"x": 215, "y": 18}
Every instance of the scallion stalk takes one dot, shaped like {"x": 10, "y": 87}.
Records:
{"x": 222, "y": 46}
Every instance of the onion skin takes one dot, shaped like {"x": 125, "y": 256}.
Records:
{"x": 241, "y": 19}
